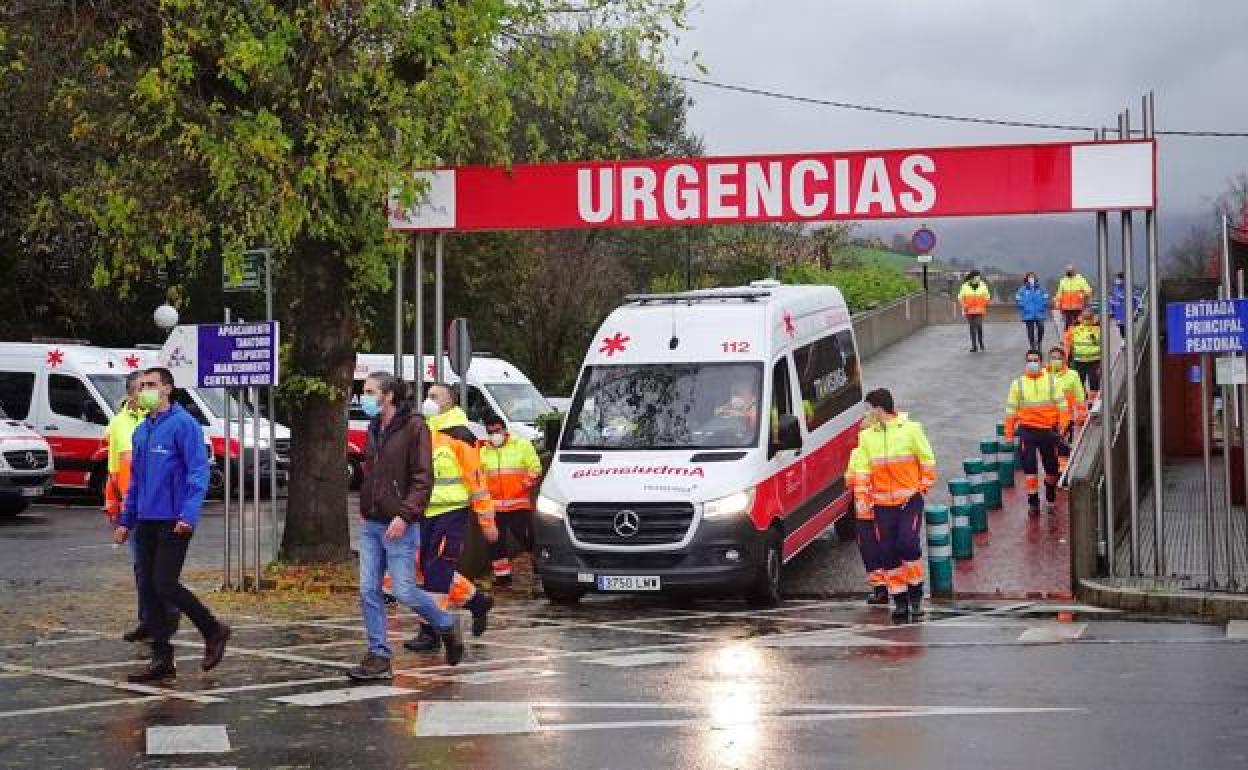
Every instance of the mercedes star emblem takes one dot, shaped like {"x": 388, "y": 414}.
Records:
{"x": 627, "y": 523}
{"x": 30, "y": 460}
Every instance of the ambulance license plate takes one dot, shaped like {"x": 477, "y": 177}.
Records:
{"x": 32, "y": 491}
{"x": 628, "y": 583}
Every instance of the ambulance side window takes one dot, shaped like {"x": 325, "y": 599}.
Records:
{"x": 829, "y": 378}
{"x": 69, "y": 397}
{"x": 781, "y": 401}
{"x": 477, "y": 407}
{"x": 16, "y": 389}
{"x": 182, "y": 397}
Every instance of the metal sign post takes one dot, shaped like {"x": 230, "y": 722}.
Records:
{"x": 1154, "y": 375}
{"x": 1128, "y": 288}
{"x": 227, "y": 574}
{"x": 439, "y": 247}
{"x": 398, "y": 317}
{"x": 268, "y": 314}
{"x": 1107, "y": 386}
{"x": 1207, "y": 458}
{"x": 242, "y": 487}
{"x": 418, "y": 333}
{"x": 255, "y": 481}
{"x": 459, "y": 351}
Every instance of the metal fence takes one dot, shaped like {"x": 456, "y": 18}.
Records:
{"x": 877, "y": 329}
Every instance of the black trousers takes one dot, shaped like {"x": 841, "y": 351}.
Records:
{"x": 1044, "y": 443}
{"x": 1070, "y": 318}
{"x": 517, "y": 524}
{"x": 1089, "y": 372}
{"x": 976, "y": 325}
{"x": 161, "y": 554}
{"x": 1035, "y": 335}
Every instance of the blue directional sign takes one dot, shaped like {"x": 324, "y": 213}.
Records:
{"x": 1207, "y": 326}
{"x": 238, "y": 355}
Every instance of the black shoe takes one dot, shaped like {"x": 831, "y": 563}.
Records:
{"x": 389, "y": 598}
{"x": 373, "y": 668}
{"x": 915, "y": 596}
{"x": 974, "y": 350}
{"x": 901, "y": 607}
{"x": 425, "y": 641}
{"x": 502, "y": 581}
{"x": 156, "y": 671}
{"x": 481, "y": 604}
{"x": 878, "y": 597}
{"x": 139, "y": 634}
{"x": 214, "y": 647}
{"x": 453, "y": 641}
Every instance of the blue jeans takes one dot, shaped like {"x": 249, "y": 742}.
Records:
{"x": 398, "y": 557}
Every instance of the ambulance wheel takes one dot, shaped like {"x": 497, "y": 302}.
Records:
{"x": 564, "y": 597}
{"x": 353, "y": 474}
{"x": 846, "y": 528}
{"x": 95, "y": 484}
{"x": 765, "y": 592}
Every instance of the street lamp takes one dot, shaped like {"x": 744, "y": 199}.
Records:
{"x": 166, "y": 316}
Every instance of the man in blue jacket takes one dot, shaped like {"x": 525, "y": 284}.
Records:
{"x": 1118, "y": 304}
{"x": 168, "y": 481}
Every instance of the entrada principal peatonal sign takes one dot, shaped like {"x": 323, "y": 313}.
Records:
{"x": 1207, "y": 326}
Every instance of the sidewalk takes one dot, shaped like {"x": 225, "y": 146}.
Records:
{"x": 1184, "y": 589}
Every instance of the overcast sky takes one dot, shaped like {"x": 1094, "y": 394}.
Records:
{"x": 1063, "y": 61}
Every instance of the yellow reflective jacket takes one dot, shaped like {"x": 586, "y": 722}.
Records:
{"x": 1036, "y": 402}
{"x": 457, "y": 478}
{"x": 893, "y": 463}
{"x": 512, "y": 472}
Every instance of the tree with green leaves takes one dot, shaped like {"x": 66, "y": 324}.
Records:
{"x": 218, "y": 127}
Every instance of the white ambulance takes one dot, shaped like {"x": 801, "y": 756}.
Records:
{"x": 494, "y": 385}
{"x": 26, "y": 466}
{"x": 67, "y": 393}
{"x": 706, "y": 444}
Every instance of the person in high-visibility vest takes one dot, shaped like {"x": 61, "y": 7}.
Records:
{"x": 512, "y": 472}
{"x": 1073, "y": 293}
{"x": 1036, "y": 412}
{"x": 459, "y": 491}
{"x": 864, "y": 519}
{"x": 1083, "y": 349}
{"x": 974, "y": 298}
{"x": 892, "y": 469}
{"x": 1076, "y": 400}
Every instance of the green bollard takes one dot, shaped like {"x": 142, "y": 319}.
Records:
{"x": 974, "y": 468}
{"x": 1005, "y": 463}
{"x": 1001, "y": 429}
{"x": 939, "y": 552}
{"x": 963, "y": 541}
{"x": 992, "y": 484}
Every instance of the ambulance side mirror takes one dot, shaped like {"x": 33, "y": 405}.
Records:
{"x": 789, "y": 435}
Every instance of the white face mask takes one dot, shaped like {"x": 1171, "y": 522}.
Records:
{"x": 498, "y": 439}
{"x": 430, "y": 408}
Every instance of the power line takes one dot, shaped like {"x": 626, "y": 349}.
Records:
{"x": 930, "y": 115}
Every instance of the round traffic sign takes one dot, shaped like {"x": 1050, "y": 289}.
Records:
{"x": 923, "y": 240}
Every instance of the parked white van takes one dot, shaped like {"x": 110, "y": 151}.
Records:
{"x": 25, "y": 465}
{"x": 494, "y": 385}
{"x": 706, "y": 444}
{"x": 68, "y": 393}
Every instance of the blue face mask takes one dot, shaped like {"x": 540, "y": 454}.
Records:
{"x": 371, "y": 405}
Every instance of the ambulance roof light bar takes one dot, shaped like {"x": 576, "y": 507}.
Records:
{"x": 703, "y": 295}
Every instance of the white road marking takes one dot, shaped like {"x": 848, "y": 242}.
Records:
{"x": 187, "y": 739}
{"x": 127, "y": 686}
{"x": 831, "y": 638}
{"x": 637, "y": 659}
{"x": 273, "y": 655}
{"x": 274, "y": 685}
{"x": 456, "y": 718}
{"x": 1237, "y": 629}
{"x": 51, "y": 642}
{"x": 1053, "y": 633}
{"x": 502, "y": 675}
{"x": 345, "y": 695}
{"x": 79, "y": 706}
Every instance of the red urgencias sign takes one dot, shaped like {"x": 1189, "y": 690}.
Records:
{"x": 868, "y": 184}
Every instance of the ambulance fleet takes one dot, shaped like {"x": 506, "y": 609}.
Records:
{"x": 705, "y": 444}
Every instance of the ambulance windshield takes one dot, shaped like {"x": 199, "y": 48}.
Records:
{"x": 666, "y": 406}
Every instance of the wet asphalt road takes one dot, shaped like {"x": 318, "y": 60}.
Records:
{"x": 633, "y": 683}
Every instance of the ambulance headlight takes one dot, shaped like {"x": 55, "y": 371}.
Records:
{"x": 548, "y": 507}
{"x": 735, "y": 504}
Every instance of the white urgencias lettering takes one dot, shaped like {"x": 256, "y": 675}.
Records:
{"x": 764, "y": 189}
{"x": 681, "y": 197}
{"x": 637, "y": 188}
{"x": 875, "y": 188}
{"x": 801, "y": 178}
{"x": 718, "y": 188}
{"x": 922, "y": 193}
{"x": 585, "y": 206}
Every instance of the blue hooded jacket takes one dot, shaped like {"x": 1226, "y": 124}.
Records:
{"x": 1117, "y": 303}
{"x": 169, "y": 470}
{"x": 1033, "y": 302}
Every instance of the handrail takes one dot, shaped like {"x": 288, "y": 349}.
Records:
{"x": 884, "y": 308}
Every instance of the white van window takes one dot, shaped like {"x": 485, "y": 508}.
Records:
{"x": 69, "y": 397}
{"x": 781, "y": 397}
{"x": 520, "y": 401}
{"x": 666, "y": 406}
{"x": 112, "y": 388}
{"x": 829, "y": 378}
{"x": 16, "y": 390}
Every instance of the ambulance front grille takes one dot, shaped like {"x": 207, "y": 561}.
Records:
{"x": 22, "y": 460}
{"x": 607, "y": 523}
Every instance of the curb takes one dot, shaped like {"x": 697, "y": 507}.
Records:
{"x": 1198, "y": 604}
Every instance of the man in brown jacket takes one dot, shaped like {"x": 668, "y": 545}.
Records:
{"x": 398, "y": 479}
